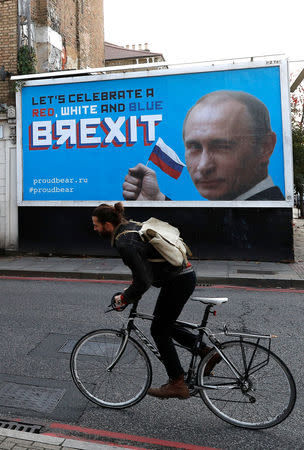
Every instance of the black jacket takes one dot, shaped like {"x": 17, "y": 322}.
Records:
{"x": 135, "y": 254}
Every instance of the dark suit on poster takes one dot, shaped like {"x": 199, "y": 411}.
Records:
{"x": 272, "y": 193}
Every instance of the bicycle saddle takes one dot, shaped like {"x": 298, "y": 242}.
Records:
{"x": 210, "y": 300}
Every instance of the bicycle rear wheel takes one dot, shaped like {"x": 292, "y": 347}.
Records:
{"x": 123, "y": 386}
{"x": 264, "y": 397}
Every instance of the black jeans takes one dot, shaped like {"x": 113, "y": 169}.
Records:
{"x": 171, "y": 300}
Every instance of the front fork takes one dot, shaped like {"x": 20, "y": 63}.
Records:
{"x": 120, "y": 350}
{"x": 126, "y": 331}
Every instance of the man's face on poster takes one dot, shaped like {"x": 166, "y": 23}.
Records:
{"x": 221, "y": 152}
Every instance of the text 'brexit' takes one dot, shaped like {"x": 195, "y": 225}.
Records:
{"x": 92, "y": 132}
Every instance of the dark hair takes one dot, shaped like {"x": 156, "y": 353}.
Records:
{"x": 108, "y": 213}
{"x": 256, "y": 109}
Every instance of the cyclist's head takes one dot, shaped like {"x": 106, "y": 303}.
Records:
{"x": 107, "y": 217}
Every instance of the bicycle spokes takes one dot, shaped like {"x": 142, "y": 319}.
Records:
{"x": 261, "y": 397}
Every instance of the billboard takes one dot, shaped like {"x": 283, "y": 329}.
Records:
{"x": 194, "y": 136}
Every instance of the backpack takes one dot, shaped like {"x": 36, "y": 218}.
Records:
{"x": 165, "y": 239}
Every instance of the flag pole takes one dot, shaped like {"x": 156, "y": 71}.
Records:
{"x": 148, "y": 160}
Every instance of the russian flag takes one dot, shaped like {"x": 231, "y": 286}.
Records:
{"x": 166, "y": 159}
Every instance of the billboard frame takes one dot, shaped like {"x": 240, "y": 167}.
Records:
{"x": 167, "y": 71}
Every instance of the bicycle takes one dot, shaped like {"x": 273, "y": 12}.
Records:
{"x": 250, "y": 387}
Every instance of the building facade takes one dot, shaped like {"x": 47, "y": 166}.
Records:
{"x": 116, "y": 55}
{"x": 38, "y": 36}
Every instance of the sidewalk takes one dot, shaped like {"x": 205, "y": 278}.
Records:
{"x": 243, "y": 273}
{"x": 20, "y": 440}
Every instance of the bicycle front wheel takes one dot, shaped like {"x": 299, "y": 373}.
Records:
{"x": 263, "y": 397}
{"x": 121, "y": 387}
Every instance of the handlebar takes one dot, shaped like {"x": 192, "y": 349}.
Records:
{"x": 112, "y": 305}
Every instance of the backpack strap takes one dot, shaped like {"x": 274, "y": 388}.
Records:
{"x": 136, "y": 231}
{"x": 156, "y": 259}
{"x": 125, "y": 232}
{"x": 189, "y": 252}
{"x": 128, "y": 231}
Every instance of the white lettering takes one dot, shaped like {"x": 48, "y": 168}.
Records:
{"x": 42, "y": 133}
{"x": 151, "y": 121}
{"x": 66, "y": 129}
{"x": 65, "y": 110}
{"x": 90, "y": 130}
{"x": 115, "y": 132}
{"x": 133, "y": 129}
{"x": 87, "y": 128}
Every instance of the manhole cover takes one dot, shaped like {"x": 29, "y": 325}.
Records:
{"x": 42, "y": 399}
{"x": 257, "y": 272}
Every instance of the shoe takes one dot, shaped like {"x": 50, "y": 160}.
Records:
{"x": 213, "y": 361}
{"x": 173, "y": 389}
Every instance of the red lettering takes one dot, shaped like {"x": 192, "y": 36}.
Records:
{"x": 43, "y": 112}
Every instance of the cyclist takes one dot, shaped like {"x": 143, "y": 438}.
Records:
{"x": 176, "y": 283}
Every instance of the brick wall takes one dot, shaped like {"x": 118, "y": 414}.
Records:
{"x": 81, "y": 26}
{"x": 69, "y": 33}
{"x": 39, "y": 12}
{"x": 84, "y": 46}
{"x": 91, "y": 44}
{"x": 8, "y": 46}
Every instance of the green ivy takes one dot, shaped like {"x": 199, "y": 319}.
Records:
{"x": 26, "y": 60}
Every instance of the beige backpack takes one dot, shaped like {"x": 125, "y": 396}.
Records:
{"x": 165, "y": 239}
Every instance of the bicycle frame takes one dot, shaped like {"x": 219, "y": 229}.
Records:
{"x": 222, "y": 377}
{"x": 203, "y": 331}
{"x": 142, "y": 337}
{"x": 130, "y": 326}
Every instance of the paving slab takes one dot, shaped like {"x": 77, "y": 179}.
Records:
{"x": 12, "y": 439}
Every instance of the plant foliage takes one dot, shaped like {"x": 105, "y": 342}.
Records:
{"x": 297, "y": 121}
{"x": 26, "y": 60}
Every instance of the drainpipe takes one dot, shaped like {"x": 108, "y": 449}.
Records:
{"x": 77, "y": 33}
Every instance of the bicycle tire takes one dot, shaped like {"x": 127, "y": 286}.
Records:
{"x": 270, "y": 384}
{"x": 122, "y": 387}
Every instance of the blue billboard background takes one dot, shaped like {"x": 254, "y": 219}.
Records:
{"x": 85, "y": 167}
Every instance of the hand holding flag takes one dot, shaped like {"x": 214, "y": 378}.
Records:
{"x": 141, "y": 184}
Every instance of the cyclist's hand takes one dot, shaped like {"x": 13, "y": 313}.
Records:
{"x": 141, "y": 184}
{"x": 118, "y": 303}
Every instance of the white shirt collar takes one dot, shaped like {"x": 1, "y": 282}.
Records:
{"x": 261, "y": 186}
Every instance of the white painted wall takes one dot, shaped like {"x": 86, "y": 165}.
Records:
{"x": 48, "y": 47}
{"x": 8, "y": 189}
